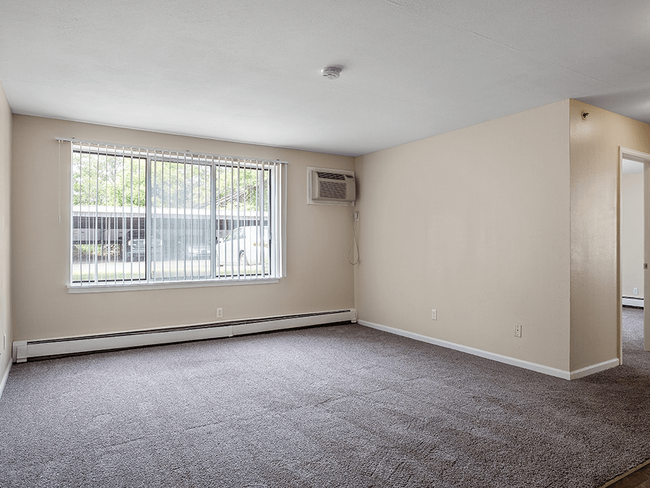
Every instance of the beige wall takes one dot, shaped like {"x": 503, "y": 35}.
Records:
{"x": 512, "y": 221}
{"x": 319, "y": 276}
{"x": 632, "y": 235}
{"x": 595, "y": 295}
{"x": 474, "y": 223}
{"x": 5, "y": 235}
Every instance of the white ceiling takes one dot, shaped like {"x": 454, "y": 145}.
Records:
{"x": 249, "y": 70}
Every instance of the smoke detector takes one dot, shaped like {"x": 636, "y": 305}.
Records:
{"x": 331, "y": 72}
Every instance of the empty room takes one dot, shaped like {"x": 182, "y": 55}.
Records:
{"x": 309, "y": 244}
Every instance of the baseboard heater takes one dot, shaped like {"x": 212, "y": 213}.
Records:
{"x": 633, "y": 302}
{"x": 24, "y": 350}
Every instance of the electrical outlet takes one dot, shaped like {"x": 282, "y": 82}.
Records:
{"x": 517, "y": 330}
{"x": 434, "y": 314}
{"x": 635, "y": 291}
{"x": 220, "y": 313}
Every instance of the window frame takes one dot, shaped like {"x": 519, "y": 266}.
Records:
{"x": 276, "y": 217}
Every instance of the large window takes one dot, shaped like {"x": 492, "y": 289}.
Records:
{"x": 151, "y": 216}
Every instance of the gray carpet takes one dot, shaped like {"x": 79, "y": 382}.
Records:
{"x": 337, "y": 406}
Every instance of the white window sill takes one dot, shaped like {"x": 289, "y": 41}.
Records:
{"x": 112, "y": 287}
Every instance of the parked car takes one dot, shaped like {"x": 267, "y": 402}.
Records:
{"x": 200, "y": 251}
{"x": 136, "y": 246}
{"x": 244, "y": 246}
{"x": 136, "y": 249}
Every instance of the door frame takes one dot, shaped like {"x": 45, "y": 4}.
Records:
{"x": 641, "y": 157}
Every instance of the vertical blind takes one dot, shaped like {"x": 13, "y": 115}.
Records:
{"x": 143, "y": 215}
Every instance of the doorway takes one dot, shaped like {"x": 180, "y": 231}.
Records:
{"x": 634, "y": 242}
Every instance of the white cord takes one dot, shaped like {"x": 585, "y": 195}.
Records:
{"x": 59, "y": 182}
{"x": 355, "y": 244}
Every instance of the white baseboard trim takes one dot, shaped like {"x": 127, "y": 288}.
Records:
{"x": 594, "y": 368}
{"x": 24, "y": 350}
{"x": 540, "y": 368}
{"x": 633, "y": 302}
{"x": 5, "y": 377}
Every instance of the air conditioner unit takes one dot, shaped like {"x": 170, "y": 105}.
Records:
{"x": 330, "y": 187}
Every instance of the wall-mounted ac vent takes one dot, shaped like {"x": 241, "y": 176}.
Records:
{"x": 330, "y": 186}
